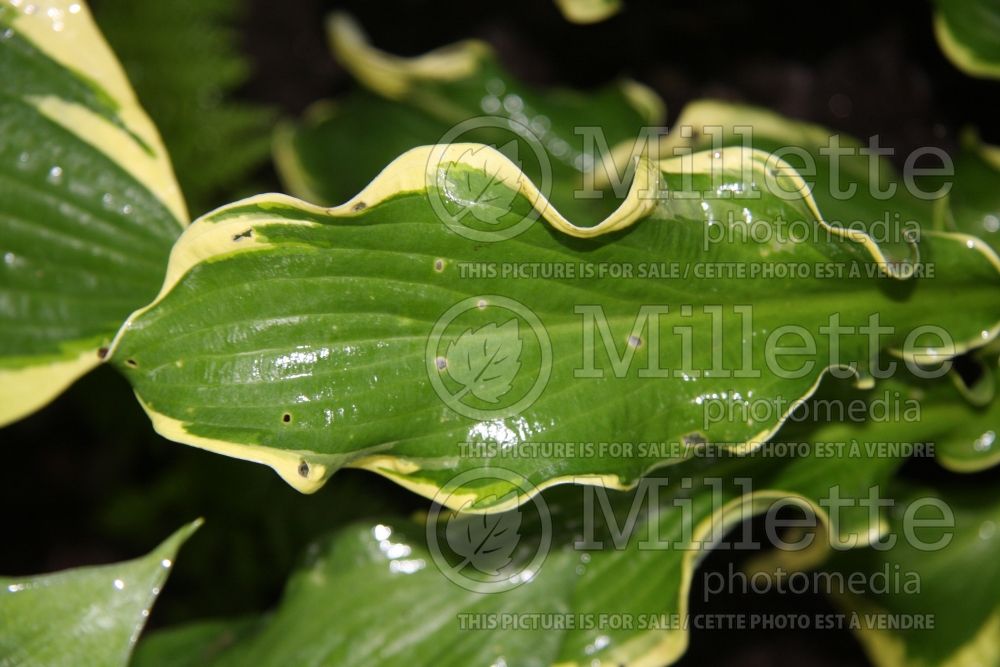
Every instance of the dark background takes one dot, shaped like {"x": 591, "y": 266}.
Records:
{"x": 86, "y": 481}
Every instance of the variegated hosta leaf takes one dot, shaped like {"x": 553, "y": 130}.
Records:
{"x": 588, "y": 11}
{"x": 309, "y": 339}
{"x": 460, "y": 94}
{"x": 85, "y": 617}
{"x": 962, "y": 431}
{"x": 959, "y": 586}
{"x": 839, "y": 174}
{"x": 88, "y": 204}
{"x": 967, "y": 33}
{"x": 622, "y": 601}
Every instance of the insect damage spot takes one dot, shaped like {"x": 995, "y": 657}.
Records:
{"x": 439, "y": 265}
{"x": 132, "y": 363}
{"x": 360, "y": 206}
{"x": 287, "y": 418}
{"x": 102, "y": 353}
{"x": 694, "y": 440}
{"x": 304, "y": 469}
{"x": 243, "y": 235}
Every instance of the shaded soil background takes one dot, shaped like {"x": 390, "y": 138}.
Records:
{"x": 85, "y": 480}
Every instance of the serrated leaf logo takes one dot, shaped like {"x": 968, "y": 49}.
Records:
{"x": 484, "y": 541}
{"x": 486, "y": 360}
{"x": 482, "y": 194}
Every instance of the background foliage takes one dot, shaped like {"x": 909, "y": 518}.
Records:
{"x": 88, "y": 480}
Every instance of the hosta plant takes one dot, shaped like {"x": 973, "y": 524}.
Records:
{"x": 594, "y": 348}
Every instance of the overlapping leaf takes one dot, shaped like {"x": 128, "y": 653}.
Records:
{"x": 641, "y": 572}
{"x": 88, "y": 204}
{"x": 967, "y": 33}
{"x": 953, "y": 617}
{"x": 460, "y": 93}
{"x": 87, "y": 617}
{"x": 974, "y": 198}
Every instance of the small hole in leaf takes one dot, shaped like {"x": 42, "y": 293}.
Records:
{"x": 439, "y": 265}
{"x": 287, "y": 418}
{"x": 132, "y": 363}
{"x": 304, "y": 469}
{"x": 360, "y": 206}
{"x": 243, "y": 235}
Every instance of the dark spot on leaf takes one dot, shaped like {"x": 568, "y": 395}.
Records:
{"x": 439, "y": 265}
{"x": 243, "y": 235}
{"x": 132, "y": 363}
{"x": 102, "y": 352}
{"x": 286, "y": 418}
{"x": 360, "y": 206}
{"x": 304, "y": 469}
{"x": 693, "y": 439}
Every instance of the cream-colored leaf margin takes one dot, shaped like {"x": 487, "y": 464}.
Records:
{"x": 885, "y": 648}
{"x": 960, "y": 54}
{"x": 294, "y": 176}
{"x": 703, "y": 118}
{"x": 224, "y": 232}
{"x": 397, "y": 78}
{"x": 588, "y": 11}
{"x": 24, "y": 390}
{"x": 394, "y": 76}
{"x": 655, "y": 648}
{"x": 65, "y": 31}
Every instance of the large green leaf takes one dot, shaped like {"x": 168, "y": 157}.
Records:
{"x": 461, "y": 94}
{"x": 967, "y": 32}
{"x": 310, "y": 339}
{"x": 86, "y": 617}
{"x": 88, "y": 204}
{"x": 381, "y": 568}
{"x": 959, "y": 586}
{"x": 356, "y": 599}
